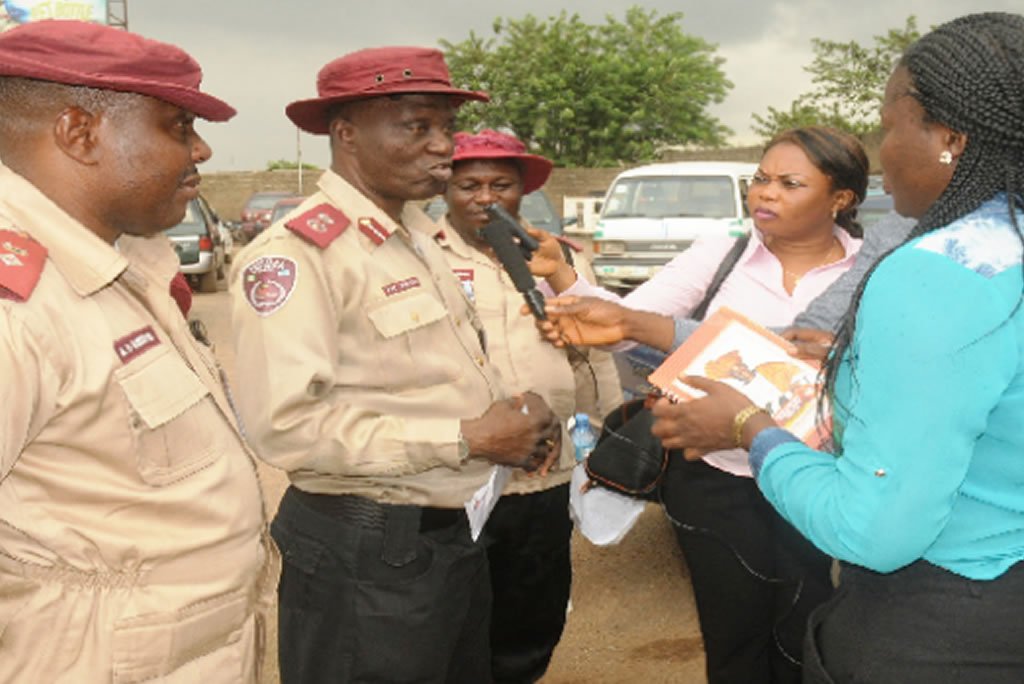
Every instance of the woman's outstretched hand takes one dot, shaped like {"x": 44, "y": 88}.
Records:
{"x": 707, "y": 424}
{"x": 583, "y": 321}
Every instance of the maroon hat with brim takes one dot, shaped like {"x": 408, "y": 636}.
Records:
{"x": 372, "y": 73}
{"x": 80, "y": 53}
{"x": 490, "y": 144}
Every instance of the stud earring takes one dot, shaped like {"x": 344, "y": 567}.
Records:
{"x": 834, "y": 214}
{"x": 946, "y": 158}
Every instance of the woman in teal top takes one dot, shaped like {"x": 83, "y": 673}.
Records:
{"x": 923, "y": 501}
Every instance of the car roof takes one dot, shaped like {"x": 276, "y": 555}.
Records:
{"x": 876, "y": 201}
{"x": 290, "y": 201}
{"x": 691, "y": 169}
{"x": 272, "y": 193}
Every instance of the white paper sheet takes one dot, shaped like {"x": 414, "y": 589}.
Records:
{"x": 480, "y": 505}
{"x": 601, "y": 515}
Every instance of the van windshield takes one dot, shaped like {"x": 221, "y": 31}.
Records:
{"x": 671, "y": 196}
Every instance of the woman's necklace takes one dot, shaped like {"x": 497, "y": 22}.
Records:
{"x": 824, "y": 262}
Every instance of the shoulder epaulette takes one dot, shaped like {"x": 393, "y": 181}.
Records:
{"x": 571, "y": 244}
{"x": 320, "y": 226}
{"x": 21, "y": 264}
{"x": 372, "y": 228}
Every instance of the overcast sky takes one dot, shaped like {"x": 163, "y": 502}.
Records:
{"x": 260, "y": 55}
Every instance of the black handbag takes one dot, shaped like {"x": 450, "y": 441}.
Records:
{"x": 628, "y": 458}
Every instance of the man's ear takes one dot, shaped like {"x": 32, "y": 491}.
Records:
{"x": 76, "y": 133}
{"x": 342, "y": 132}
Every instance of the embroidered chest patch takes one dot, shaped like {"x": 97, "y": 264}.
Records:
{"x": 392, "y": 289}
{"x": 268, "y": 282}
{"x": 466, "y": 277}
{"x": 136, "y": 343}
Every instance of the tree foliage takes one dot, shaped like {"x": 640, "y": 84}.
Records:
{"x": 849, "y": 81}
{"x": 284, "y": 164}
{"x": 593, "y": 95}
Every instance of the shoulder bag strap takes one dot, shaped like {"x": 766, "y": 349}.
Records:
{"x": 724, "y": 269}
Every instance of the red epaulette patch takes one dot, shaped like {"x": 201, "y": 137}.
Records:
{"x": 571, "y": 244}
{"x": 321, "y": 225}
{"x": 21, "y": 264}
{"x": 371, "y": 228}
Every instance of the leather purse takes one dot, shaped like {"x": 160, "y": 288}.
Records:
{"x": 627, "y": 458}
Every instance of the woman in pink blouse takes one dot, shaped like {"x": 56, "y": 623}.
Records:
{"x": 754, "y": 577}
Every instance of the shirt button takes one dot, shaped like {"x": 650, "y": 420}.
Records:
{"x": 480, "y": 361}
{"x": 415, "y": 318}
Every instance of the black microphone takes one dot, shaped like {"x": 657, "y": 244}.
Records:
{"x": 498, "y": 235}
{"x": 527, "y": 243}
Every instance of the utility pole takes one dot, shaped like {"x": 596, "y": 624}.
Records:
{"x": 298, "y": 155}
{"x": 117, "y": 14}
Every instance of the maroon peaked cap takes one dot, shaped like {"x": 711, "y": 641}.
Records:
{"x": 491, "y": 144}
{"x": 85, "y": 54}
{"x": 372, "y": 73}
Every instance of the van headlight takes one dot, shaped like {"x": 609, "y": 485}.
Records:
{"x": 609, "y": 247}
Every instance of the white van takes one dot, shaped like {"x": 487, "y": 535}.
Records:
{"x": 651, "y": 213}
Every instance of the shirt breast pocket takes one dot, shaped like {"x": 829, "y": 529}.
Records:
{"x": 412, "y": 326}
{"x": 171, "y": 417}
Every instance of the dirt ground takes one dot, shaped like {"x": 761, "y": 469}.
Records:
{"x": 632, "y": 617}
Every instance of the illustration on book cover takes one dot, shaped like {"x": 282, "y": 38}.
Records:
{"x": 731, "y": 348}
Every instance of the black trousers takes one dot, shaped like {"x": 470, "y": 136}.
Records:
{"x": 363, "y": 603}
{"x": 918, "y": 625}
{"x": 528, "y": 551}
{"x": 755, "y": 578}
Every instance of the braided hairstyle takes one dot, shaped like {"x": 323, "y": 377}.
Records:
{"x": 968, "y": 75}
{"x": 838, "y": 155}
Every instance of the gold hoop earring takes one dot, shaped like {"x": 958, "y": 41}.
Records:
{"x": 946, "y": 158}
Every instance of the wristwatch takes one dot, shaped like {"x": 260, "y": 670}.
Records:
{"x": 463, "y": 450}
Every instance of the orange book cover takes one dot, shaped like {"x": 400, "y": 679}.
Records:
{"x": 731, "y": 348}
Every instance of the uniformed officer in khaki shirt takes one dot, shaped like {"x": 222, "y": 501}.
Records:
{"x": 529, "y": 531}
{"x": 363, "y": 372}
{"x": 131, "y": 522}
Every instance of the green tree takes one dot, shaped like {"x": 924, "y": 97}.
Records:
{"x": 284, "y": 164}
{"x": 800, "y": 113}
{"x": 849, "y": 82}
{"x": 593, "y": 95}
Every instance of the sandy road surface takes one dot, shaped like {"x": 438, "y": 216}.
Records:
{"x": 633, "y": 618}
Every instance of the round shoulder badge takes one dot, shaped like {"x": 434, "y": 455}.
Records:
{"x": 268, "y": 282}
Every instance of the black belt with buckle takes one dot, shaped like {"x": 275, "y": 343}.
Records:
{"x": 358, "y": 510}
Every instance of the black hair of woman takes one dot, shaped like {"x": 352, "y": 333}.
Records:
{"x": 967, "y": 75}
{"x": 841, "y": 157}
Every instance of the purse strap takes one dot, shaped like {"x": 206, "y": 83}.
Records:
{"x": 724, "y": 269}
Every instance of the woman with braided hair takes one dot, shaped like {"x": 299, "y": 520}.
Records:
{"x": 923, "y": 499}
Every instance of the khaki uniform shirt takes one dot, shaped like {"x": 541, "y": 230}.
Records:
{"x": 359, "y": 356}
{"x": 131, "y": 520}
{"x": 598, "y": 386}
{"x": 525, "y": 360}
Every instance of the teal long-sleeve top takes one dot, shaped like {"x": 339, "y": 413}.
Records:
{"x": 929, "y": 416}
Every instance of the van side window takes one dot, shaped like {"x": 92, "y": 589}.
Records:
{"x": 744, "y": 191}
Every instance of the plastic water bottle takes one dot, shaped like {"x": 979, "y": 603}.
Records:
{"x": 583, "y": 435}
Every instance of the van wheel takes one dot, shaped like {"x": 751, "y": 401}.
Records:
{"x": 208, "y": 282}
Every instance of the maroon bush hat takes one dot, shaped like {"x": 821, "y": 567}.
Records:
{"x": 372, "y": 73}
{"x": 490, "y": 144}
{"x": 86, "y": 54}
